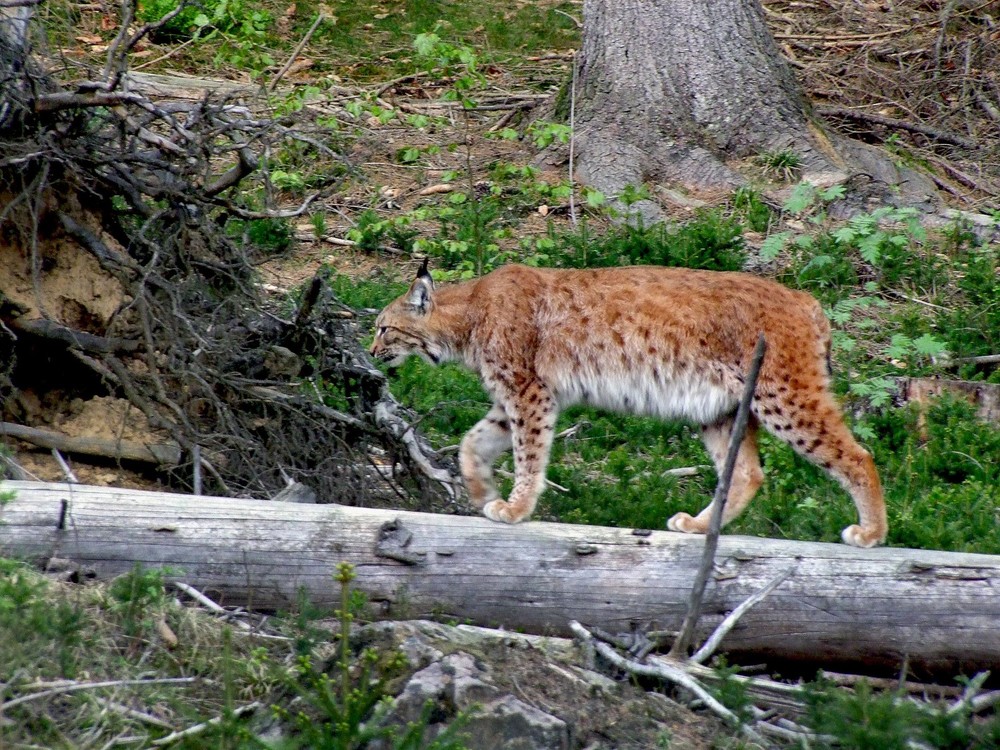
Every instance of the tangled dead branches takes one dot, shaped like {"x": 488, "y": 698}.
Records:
{"x": 100, "y": 182}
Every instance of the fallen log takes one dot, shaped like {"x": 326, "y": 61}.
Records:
{"x": 985, "y": 397}
{"x": 166, "y": 454}
{"x": 840, "y": 605}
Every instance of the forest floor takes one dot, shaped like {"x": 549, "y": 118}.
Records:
{"x": 383, "y": 167}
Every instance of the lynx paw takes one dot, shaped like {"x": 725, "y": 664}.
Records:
{"x": 857, "y": 536}
{"x": 481, "y": 501}
{"x": 499, "y": 510}
{"x": 685, "y": 523}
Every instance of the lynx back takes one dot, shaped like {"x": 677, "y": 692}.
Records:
{"x": 667, "y": 342}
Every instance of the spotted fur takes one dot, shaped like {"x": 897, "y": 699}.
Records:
{"x": 668, "y": 342}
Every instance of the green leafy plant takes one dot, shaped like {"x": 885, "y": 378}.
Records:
{"x": 811, "y": 202}
{"x": 346, "y": 706}
{"x": 730, "y": 692}
{"x": 781, "y": 164}
{"x": 820, "y": 265}
{"x": 318, "y": 221}
{"x": 874, "y": 243}
{"x": 455, "y": 61}
{"x": 238, "y": 28}
{"x": 473, "y": 243}
{"x": 748, "y": 205}
{"x": 136, "y": 597}
{"x": 710, "y": 241}
{"x": 180, "y": 26}
{"x": 971, "y": 323}
{"x": 291, "y": 181}
{"x": 271, "y": 235}
{"x": 631, "y": 195}
{"x": 544, "y": 133}
{"x": 865, "y": 719}
{"x": 31, "y": 621}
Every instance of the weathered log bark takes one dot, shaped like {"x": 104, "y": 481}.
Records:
{"x": 841, "y": 605}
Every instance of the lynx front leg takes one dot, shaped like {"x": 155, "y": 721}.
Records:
{"x": 533, "y": 419}
{"x": 480, "y": 448}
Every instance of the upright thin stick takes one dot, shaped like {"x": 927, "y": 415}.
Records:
{"x": 196, "y": 461}
{"x": 683, "y": 640}
{"x": 320, "y": 17}
{"x": 572, "y": 139}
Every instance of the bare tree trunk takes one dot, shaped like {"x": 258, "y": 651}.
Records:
{"x": 841, "y": 605}
{"x": 676, "y": 90}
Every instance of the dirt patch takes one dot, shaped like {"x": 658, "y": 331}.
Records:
{"x": 615, "y": 714}
{"x": 101, "y": 417}
{"x": 55, "y": 280}
{"x": 107, "y": 417}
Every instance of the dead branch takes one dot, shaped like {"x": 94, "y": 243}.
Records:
{"x": 712, "y": 643}
{"x": 320, "y": 17}
{"x": 156, "y": 453}
{"x": 88, "y": 342}
{"x": 892, "y": 122}
{"x": 664, "y": 671}
{"x": 73, "y": 687}
{"x": 986, "y": 359}
{"x": 197, "y": 729}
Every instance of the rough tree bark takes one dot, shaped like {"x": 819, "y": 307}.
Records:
{"x": 841, "y": 605}
{"x": 676, "y": 90}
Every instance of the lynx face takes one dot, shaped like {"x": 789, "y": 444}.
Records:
{"x": 667, "y": 342}
{"x": 397, "y": 330}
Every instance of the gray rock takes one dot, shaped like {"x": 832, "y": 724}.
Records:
{"x": 496, "y": 721}
{"x": 429, "y": 684}
{"x": 511, "y": 724}
{"x": 469, "y": 684}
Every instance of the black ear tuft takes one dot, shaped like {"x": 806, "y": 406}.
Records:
{"x": 423, "y": 272}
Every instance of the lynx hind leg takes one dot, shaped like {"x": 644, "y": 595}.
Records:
{"x": 810, "y": 420}
{"x": 747, "y": 476}
{"x": 533, "y": 420}
{"x": 481, "y": 446}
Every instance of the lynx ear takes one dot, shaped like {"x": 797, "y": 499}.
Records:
{"x": 423, "y": 272}
{"x": 421, "y": 291}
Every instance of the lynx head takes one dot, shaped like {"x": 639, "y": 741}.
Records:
{"x": 402, "y": 328}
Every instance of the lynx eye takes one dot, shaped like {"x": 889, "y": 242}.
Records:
{"x": 382, "y": 330}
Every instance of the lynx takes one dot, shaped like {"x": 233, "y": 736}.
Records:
{"x": 668, "y": 342}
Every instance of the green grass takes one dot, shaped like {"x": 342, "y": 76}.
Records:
{"x": 361, "y": 41}
{"x": 392, "y": 27}
{"x": 53, "y": 631}
{"x": 327, "y": 694}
